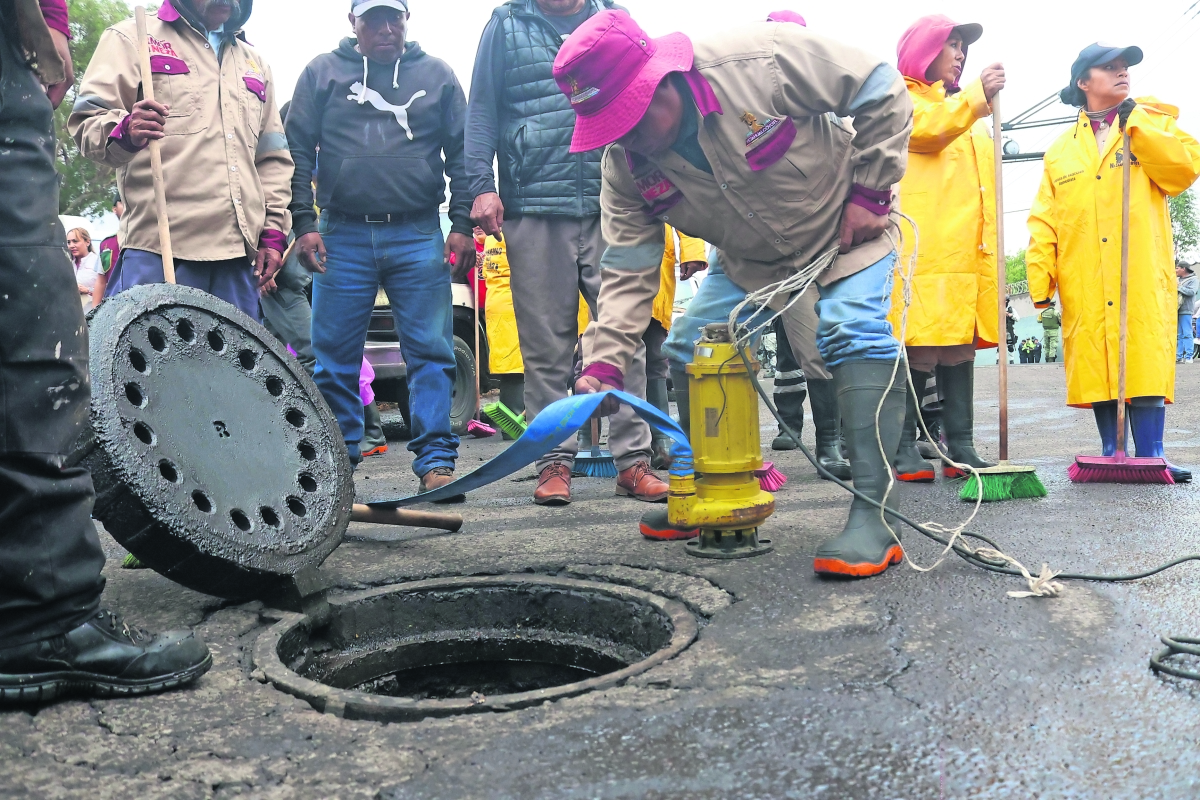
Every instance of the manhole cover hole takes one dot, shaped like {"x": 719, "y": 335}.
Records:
{"x": 453, "y": 646}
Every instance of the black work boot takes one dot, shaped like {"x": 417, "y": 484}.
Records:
{"x": 103, "y": 657}
{"x": 791, "y": 408}
{"x": 908, "y": 462}
{"x": 822, "y": 397}
{"x": 957, "y": 385}
{"x": 660, "y": 448}
{"x": 683, "y": 399}
{"x": 866, "y": 546}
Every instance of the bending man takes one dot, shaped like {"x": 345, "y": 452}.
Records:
{"x": 737, "y": 139}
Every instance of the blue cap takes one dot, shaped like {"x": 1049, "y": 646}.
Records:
{"x": 1095, "y": 55}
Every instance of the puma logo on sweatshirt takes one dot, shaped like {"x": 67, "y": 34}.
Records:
{"x": 376, "y": 99}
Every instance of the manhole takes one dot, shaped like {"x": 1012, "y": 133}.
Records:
{"x": 441, "y": 647}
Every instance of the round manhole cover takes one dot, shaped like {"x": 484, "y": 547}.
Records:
{"x": 461, "y": 645}
{"x": 216, "y": 463}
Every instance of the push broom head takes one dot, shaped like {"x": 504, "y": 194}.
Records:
{"x": 512, "y": 424}
{"x": 1003, "y": 482}
{"x": 1119, "y": 469}
{"x": 480, "y": 430}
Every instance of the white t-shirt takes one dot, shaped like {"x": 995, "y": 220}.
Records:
{"x": 86, "y": 273}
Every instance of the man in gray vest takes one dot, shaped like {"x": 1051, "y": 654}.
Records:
{"x": 548, "y": 208}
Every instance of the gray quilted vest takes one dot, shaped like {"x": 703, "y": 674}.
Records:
{"x": 538, "y": 172}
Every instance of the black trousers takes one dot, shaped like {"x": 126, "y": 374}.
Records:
{"x": 50, "y": 556}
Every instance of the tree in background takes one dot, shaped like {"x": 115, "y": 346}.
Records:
{"x": 1184, "y": 224}
{"x": 1014, "y": 268}
{"x": 86, "y": 186}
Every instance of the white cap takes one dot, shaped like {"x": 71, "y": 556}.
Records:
{"x": 360, "y": 7}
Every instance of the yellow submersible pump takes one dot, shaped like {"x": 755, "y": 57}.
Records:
{"x": 725, "y": 500}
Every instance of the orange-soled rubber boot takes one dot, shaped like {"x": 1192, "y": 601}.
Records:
{"x": 866, "y": 546}
{"x": 910, "y": 466}
{"x": 656, "y": 525}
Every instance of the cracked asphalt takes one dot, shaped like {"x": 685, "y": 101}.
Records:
{"x": 910, "y": 685}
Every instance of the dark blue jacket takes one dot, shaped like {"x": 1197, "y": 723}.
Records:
{"x": 518, "y": 115}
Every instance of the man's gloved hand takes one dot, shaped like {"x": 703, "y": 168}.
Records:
{"x": 590, "y": 385}
{"x": 689, "y": 268}
{"x": 1124, "y": 110}
{"x": 58, "y": 91}
{"x": 463, "y": 249}
{"x": 312, "y": 252}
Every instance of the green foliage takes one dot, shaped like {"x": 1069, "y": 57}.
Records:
{"x": 86, "y": 186}
{"x": 1184, "y": 224}
{"x": 1014, "y": 267}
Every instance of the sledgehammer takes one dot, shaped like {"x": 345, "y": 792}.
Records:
{"x": 406, "y": 518}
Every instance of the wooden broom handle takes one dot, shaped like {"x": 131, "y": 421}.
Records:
{"x": 406, "y": 517}
{"x": 156, "y": 169}
{"x": 1125, "y": 172}
{"x": 1001, "y": 278}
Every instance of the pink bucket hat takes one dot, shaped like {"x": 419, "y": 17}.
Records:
{"x": 609, "y": 69}
{"x": 786, "y": 16}
{"x": 922, "y": 42}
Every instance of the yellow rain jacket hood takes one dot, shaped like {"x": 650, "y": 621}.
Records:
{"x": 1075, "y": 250}
{"x": 949, "y": 190}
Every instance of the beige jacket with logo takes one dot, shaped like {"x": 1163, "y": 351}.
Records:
{"x": 771, "y": 205}
{"x": 226, "y": 161}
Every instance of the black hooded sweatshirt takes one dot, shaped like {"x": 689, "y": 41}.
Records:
{"x": 383, "y": 131}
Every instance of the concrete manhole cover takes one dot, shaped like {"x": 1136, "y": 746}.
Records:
{"x": 441, "y": 647}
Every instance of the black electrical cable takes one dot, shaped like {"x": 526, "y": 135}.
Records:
{"x": 1175, "y": 645}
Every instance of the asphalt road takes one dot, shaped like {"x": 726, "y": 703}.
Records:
{"x": 910, "y": 685}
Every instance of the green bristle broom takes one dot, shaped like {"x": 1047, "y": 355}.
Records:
{"x": 512, "y": 424}
{"x": 1004, "y": 481}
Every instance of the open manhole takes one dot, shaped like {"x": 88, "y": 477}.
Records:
{"x": 452, "y": 646}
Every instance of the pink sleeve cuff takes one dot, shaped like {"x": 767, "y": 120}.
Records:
{"x": 874, "y": 200}
{"x": 120, "y": 135}
{"x": 276, "y": 240}
{"x": 605, "y": 373}
{"x": 55, "y": 14}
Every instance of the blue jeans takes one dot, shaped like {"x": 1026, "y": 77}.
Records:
{"x": 406, "y": 258}
{"x": 231, "y": 280}
{"x": 1183, "y": 340}
{"x": 853, "y": 313}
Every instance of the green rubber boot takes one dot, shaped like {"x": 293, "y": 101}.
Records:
{"x": 958, "y": 417}
{"x": 683, "y": 399}
{"x": 822, "y": 398}
{"x": 791, "y": 408}
{"x": 909, "y": 464}
{"x": 660, "y": 448}
{"x": 866, "y": 546}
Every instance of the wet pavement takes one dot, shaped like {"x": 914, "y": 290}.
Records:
{"x": 909, "y": 685}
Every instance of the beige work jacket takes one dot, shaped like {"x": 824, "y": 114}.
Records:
{"x": 783, "y": 163}
{"x": 226, "y": 161}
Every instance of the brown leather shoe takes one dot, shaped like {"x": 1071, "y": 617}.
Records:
{"x": 640, "y": 483}
{"x": 436, "y": 478}
{"x": 554, "y": 486}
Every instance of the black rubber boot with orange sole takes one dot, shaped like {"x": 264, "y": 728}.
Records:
{"x": 656, "y": 525}
{"x": 867, "y": 545}
{"x": 910, "y": 466}
{"x": 958, "y": 418}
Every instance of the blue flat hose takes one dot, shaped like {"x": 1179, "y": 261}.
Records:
{"x": 558, "y": 422}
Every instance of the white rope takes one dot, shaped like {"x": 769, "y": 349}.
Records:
{"x": 795, "y": 285}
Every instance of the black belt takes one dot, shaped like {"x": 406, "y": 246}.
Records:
{"x": 403, "y": 216}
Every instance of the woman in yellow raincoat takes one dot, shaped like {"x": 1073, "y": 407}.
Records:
{"x": 1075, "y": 249}
{"x": 500, "y": 322}
{"x": 949, "y": 191}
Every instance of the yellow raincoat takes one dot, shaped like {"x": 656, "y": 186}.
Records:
{"x": 504, "y": 347}
{"x": 690, "y": 249}
{"x": 949, "y": 190}
{"x": 1075, "y": 249}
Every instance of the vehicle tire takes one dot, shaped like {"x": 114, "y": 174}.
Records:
{"x": 464, "y": 401}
